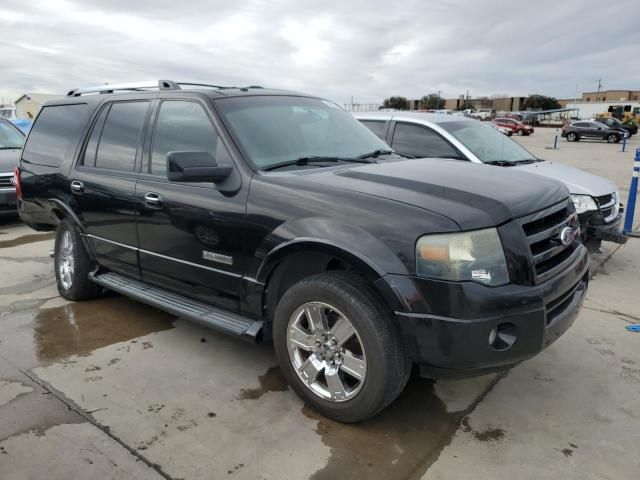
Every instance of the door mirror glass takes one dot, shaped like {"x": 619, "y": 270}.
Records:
{"x": 195, "y": 167}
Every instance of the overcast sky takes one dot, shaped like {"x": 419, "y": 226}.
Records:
{"x": 334, "y": 48}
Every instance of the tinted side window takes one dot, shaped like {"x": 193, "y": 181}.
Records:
{"x": 419, "y": 141}
{"x": 376, "y": 126}
{"x": 55, "y": 134}
{"x": 121, "y": 136}
{"x": 183, "y": 127}
{"x": 89, "y": 157}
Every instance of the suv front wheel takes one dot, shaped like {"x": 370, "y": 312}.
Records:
{"x": 613, "y": 138}
{"x": 572, "y": 137}
{"x": 338, "y": 347}
{"x": 72, "y": 264}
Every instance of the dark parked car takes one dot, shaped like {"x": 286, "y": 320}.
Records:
{"x": 516, "y": 126}
{"x": 576, "y": 131}
{"x": 11, "y": 141}
{"x": 612, "y": 122}
{"x": 274, "y": 215}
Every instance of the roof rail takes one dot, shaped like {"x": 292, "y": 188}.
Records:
{"x": 142, "y": 86}
{"x": 150, "y": 85}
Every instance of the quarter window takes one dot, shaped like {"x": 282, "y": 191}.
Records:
{"x": 376, "y": 126}
{"x": 121, "y": 136}
{"x": 183, "y": 127}
{"x": 419, "y": 141}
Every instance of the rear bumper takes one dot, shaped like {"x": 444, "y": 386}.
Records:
{"x": 8, "y": 205}
{"x": 448, "y": 325}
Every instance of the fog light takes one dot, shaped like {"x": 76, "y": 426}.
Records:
{"x": 503, "y": 337}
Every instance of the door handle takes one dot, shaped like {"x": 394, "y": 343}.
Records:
{"x": 77, "y": 187}
{"x": 153, "y": 199}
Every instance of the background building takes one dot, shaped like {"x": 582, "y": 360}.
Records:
{"x": 28, "y": 105}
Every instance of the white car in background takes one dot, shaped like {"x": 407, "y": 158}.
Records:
{"x": 423, "y": 135}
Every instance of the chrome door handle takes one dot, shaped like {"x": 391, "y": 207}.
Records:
{"x": 77, "y": 186}
{"x": 153, "y": 199}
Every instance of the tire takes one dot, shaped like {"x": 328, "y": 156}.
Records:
{"x": 72, "y": 264}
{"x": 613, "y": 138}
{"x": 520, "y": 133}
{"x": 375, "y": 342}
{"x": 572, "y": 137}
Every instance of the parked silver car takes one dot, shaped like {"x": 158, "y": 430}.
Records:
{"x": 11, "y": 141}
{"x": 418, "y": 135}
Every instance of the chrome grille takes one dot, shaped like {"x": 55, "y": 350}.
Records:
{"x": 608, "y": 205}
{"x": 542, "y": 230}
{"x": 5, "y": 180}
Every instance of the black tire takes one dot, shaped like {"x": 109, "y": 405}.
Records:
{"x": 520, "y": 133}
{"x": 80, "y": 287}
{"x": 613, "y": 138}
{"x": 387, "y": 365}
{"x": 572, "y": 137}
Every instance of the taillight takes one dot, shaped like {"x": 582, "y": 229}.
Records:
{"x": 16, "y": 182}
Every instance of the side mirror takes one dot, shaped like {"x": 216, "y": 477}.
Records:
{"x": 195, "y": 167}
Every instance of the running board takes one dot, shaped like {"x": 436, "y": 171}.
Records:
{"x": 176, "y": 304}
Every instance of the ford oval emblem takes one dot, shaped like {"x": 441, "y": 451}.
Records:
{"x": 567, "y": 234}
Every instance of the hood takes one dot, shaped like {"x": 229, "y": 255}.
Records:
{"x": 577, "y": 181}
{"x": 9, "y": 160}
{"x": 474, "y": 196}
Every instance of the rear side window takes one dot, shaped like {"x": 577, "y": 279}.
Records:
{"x": 183, "y": 127}
{"x": 121, "y": 136}
{"x": 419, "y": 141}
{"x": 89, "y": 158}
{"x": 55, "y": 134}
{"x": 377, "y": 127}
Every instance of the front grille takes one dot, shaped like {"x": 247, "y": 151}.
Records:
{"x": 542, "y": 230}
{"x": 5, "y": 180}
{"x": 608, "y": 205}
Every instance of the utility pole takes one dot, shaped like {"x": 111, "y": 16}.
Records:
{"x": 599, "y": 87}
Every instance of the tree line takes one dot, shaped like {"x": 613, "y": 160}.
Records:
{"x": 434, "y": 101}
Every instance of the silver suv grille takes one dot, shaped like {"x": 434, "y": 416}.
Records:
{"x": 609, "y": 206}
{"x": 543, "y": 231}
{"x": 5, "y": 180}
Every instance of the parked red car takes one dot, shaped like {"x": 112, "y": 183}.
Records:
{"x": 514, "y": 125}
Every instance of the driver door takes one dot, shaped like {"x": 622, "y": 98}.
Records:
{"x": 189, "y": 233}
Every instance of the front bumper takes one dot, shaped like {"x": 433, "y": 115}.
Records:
{"x": 447, "y": 325}
{"x": 593, "y": 225}
{"x": 8, "y": 202}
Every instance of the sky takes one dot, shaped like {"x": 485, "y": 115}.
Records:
{"x": 338, "y": 49}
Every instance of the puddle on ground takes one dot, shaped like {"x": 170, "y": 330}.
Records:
{"x": 272, "y": 381}
{"x": 81, "y": 327}
{"x": 400, "y": 442}
{"x": 25, "y": 239}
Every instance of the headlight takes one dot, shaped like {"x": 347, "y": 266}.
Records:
{"x": 583, "y": 203}
{"x": 477, "y": 256}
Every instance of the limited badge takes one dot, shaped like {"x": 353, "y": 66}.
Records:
{"x": 217, "y": 257}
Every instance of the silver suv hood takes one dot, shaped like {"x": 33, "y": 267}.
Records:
{"x": 577, "y": 181}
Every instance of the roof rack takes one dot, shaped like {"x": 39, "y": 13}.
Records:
{"x": 144, "y": 86}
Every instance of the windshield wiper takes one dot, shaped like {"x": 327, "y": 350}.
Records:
{"x": 313, "y": 159}
{"x": 10, "y": 148}
{"x": 376, "y": 153}
{"x": 502, "y": 163}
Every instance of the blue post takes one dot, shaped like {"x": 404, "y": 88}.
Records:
{"x": 555, "y": 141}
{"x": 633, "y": 191}
{"x": 624, "y": 141}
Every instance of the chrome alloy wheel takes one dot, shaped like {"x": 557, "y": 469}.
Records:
{"x": 326, "y": 351}
{"x": 65, "y": 260}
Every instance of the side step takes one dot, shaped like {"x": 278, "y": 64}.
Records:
{"x": 206, "y": 315}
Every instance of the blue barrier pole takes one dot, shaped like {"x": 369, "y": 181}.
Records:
{"x": 633, "y": 191}
{"x": 555, "y": 141}
{"x": 624, "y": 142}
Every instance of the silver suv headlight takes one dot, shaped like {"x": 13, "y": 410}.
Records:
{"x": 583, "y": 203}
{"x": 475, "y": 256}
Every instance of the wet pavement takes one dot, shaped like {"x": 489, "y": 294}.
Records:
{"x": 115, "y": 389}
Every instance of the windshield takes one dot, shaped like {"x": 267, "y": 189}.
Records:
{"x": 10, "y": 136}
{"x": 487, "y": 143}
{"x": 275, "y": 129}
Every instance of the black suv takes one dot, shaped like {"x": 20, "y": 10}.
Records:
{"x": 275, "y": 215}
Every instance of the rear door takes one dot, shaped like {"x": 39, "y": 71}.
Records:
{"x": 103, "y": 183}
{"x": 190, "y": 234}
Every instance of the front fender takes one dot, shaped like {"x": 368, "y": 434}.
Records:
{"x": 331, "y": 236}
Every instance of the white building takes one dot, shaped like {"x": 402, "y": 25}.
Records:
{"x": 593, "y": 109}
{"x": 28, "y": 105}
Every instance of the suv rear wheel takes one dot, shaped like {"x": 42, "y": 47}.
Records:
{"x": 72, "y": 264}
{"x": 338, "y": 348}
{"x": 613, "y": 138}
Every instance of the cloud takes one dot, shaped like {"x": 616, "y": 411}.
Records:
{"x": 365, "y": 49}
